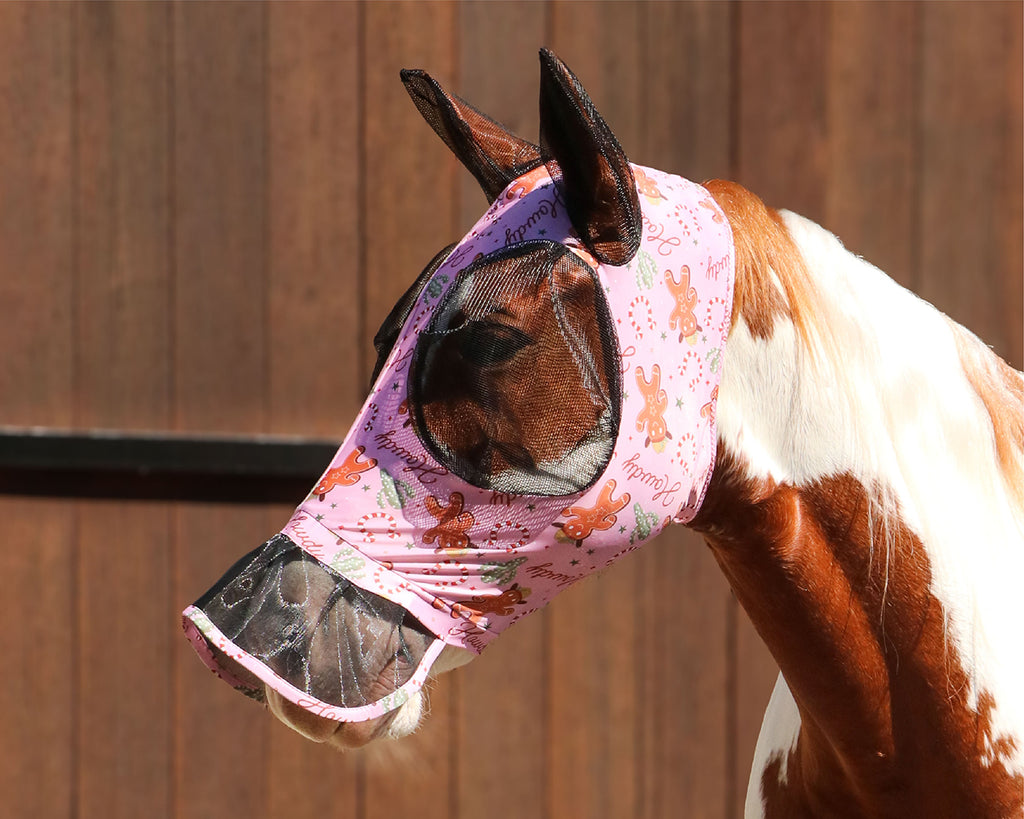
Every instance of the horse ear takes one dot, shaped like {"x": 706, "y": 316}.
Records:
{"x": 576, "y": 142}
{"x": 493, "y": 155}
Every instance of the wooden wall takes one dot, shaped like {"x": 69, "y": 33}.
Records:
{"x": 206, "y": 209}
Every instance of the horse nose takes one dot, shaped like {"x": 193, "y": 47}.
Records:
{"x": 321, "y": 637}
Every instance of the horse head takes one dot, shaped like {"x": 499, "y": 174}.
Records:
{"x": 505, "y": 450}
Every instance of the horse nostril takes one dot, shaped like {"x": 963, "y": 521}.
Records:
{"x": 239, "y": 591}
{"x": 291, "y": 633}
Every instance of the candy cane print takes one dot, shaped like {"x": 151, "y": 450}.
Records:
{"x": 371, "y": 532}
{"x": 511, "y": 526}
{"x": 463, "y": 573}
{"x": 636, "y": 320}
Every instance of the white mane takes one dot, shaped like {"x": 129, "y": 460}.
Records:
{"x": 886, "y": 399}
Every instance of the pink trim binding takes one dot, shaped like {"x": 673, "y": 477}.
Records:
{"x": 202, "y": 634}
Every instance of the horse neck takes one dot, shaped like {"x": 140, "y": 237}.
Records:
{"x": 872, "y": 530}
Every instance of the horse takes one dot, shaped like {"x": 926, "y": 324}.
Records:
{"x": 864, "y": 493}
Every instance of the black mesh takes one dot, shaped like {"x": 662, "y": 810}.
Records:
{"x": 514, "y": 384}
{"x": 387, "y": 335}
{"x": 327, "y": 637}
{"x": 581, "y": 149}
{"x": 485, "y": 147}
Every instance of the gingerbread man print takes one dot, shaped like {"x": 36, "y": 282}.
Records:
{"x": 682, "y": 316}
{"x": 347, "y": 474}
{"x": 585, "y": 520}
{"x": 652, "y": 415}
{"x": 648, "y": 187}
{"x": 452, "y": 523}
{"x": 502, "y": 604}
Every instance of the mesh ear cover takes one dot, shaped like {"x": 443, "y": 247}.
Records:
{"x": 514, "y": 384}
{"x": 485, "y": 147}
{"x": 600, "y": 188}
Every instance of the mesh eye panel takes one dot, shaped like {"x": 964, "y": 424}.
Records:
{"x": 514, "y": 384}
{"x": 386, "y": 336}
{"x": 312, "y": 627}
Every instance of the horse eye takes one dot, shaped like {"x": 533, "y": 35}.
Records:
{"x": 483, "y": 344}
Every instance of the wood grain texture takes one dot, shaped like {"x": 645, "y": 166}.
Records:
{"x": 781, "y": 127}
{"x": 126, "y": 635}
{"x": 969, "y": 161}
{"x": 37, "y": 699}
{"x": 220, "y": 224}
{"x": 123, "y": 376}
{"x": 314, "y": 223}
{"x": 686, "y": 97}
{"x": 219, "y": 229}
{"x": 36, "y": 206}
{"x": 872, "y": 82}
{"x": 221, "y": 738}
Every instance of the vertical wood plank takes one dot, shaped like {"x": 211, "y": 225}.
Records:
{"x": 123, "y": 352}
{"x": 36, "y": 387}
{"x": 1010, "y": 204}
{"x": 315, "y": 381}
{"x": 687, "y": 90}
{"x": 686, "y": 752}
{"x": 314, "y": 221}
{"x": 870, "y": 199}
{"x": 410, "y": 213}
{"x": 126, "y": 617}
{"x": 220, "y": 363}
{"x": 970, "y": 165}
{"x": 35, "y": 91}
{"x": 782, "y": 147}
{"x": 219, "y": 216}
{"x": 501, "y": 738}
{"x": 594, "y": 658}
{"x": 37, "y": 700}
{"x": 409, "y": 173}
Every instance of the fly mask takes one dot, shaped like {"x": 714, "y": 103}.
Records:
{"x": 544, "y": 403}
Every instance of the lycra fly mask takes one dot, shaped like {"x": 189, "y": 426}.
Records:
{"x": 545, "y": 403}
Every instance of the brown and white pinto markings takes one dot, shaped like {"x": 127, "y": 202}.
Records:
{"x": 867, "y": 508}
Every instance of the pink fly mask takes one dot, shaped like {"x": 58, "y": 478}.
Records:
{"x": 544, "y": 403}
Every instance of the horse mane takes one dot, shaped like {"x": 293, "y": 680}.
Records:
{"x": 762, "y": 243}
{"x": 1001, "y": 390}
{"x": 773, "y": 283}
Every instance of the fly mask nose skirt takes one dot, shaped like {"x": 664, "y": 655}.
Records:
{"x": 434, "y": 524}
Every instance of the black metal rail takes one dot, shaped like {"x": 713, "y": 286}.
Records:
{"x": 159, "y": 466}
